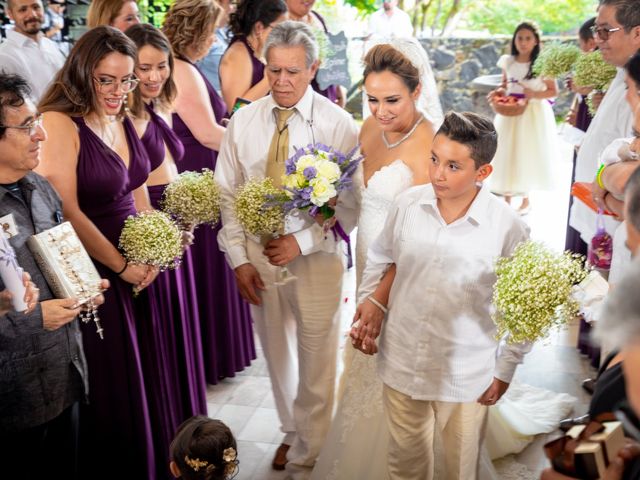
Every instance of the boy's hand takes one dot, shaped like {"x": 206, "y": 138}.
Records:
{"x": 492, "y": 394}
{"x": 367, "y": 321}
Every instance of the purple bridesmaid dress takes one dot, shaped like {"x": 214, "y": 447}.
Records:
{"x": 116, "y": 427}
{"x": 225, "y": 321}
{"x": 179, "y": 388}
{"x": 257, "y": 67}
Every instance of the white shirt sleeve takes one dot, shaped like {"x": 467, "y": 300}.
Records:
{"x": 228, "y": 174}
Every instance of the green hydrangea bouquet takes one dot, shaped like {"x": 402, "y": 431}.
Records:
{"x": 556, "y": 60}
{"x": 533, "y": 291}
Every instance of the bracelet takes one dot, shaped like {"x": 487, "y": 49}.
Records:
{"x": 384, "y": 309}
{"x": 126, "y": 264}
{"x": 599, "y": 176}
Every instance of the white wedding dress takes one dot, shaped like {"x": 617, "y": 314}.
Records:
{"x": 356, "y": 446}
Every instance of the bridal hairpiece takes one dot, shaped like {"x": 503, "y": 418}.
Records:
{"x": 229, "y": 456}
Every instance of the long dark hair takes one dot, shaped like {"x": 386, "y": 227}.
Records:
{"x": 250, "y": 12}
{"x": 533, "y": 28}
{"x": 144, "y": 35}
{"x": 72, "y": 90}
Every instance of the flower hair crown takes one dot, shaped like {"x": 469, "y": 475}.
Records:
{"x": 229, "y": 456}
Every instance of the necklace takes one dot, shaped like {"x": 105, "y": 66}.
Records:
{"x": 409, "y": 133}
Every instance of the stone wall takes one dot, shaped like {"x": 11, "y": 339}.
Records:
{"x": 458, "y": 61}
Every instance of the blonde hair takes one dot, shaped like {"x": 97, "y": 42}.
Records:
{"x": 189, "y": 22}
{"x": 104, "y": 12}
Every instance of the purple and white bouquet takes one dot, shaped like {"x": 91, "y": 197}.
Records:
{"x": 314, "y": 175}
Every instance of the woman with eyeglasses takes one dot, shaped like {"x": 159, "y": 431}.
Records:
{"x": 96, "y": 162}
{"x": 120, "y": 14}
{"x": 225, "y": 321}
{"x": 242, "y": 66}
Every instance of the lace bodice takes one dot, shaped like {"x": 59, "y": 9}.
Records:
{"x": 375, "y": 201}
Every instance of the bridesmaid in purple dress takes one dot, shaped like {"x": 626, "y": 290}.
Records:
{"x": 242, "y": 67}
{"x": 173, "y": 294}
{"x": 95, "y": 160}
{"x": 224, "y": 317}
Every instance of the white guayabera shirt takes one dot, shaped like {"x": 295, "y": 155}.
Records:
{"x": 36, "y": 62}
{"x": 612, "y": 120}
{"x": 438, "y": 341}
{"x": 243, "y": 155}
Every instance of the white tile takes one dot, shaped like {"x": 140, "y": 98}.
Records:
{"x": 235, "y": 416}
{"x": 263, "y": 426}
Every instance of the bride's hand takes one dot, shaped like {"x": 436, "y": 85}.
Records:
{"x": 367, "y": 321}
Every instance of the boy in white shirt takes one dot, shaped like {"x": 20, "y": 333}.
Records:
{"x": 439, "y": 360}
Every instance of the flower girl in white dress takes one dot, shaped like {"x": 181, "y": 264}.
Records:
{"x": 526, "y": 143}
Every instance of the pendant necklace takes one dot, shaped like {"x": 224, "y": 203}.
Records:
{"x": 409, "y": 133}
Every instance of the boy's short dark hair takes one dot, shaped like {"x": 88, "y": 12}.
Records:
{"x": 475, "y": 131}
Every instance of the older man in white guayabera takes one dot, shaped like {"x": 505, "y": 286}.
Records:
{"x": 297, "y": 322}
{"x": 617, "y": 35}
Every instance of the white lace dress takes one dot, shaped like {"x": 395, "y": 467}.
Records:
{"x": 356, "y": 446}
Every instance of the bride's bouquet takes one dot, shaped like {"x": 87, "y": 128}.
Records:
{"x": 152, "y": 238}
{"x": 314, "y": 175}
{"x": 534, "y": 290}
{"x": 193, "y": 199}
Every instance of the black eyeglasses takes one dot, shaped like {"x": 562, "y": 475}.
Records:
{"x": 603, "y": 33}
{"x": 31, "y": 128}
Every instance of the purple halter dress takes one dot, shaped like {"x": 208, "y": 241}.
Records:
{"x": 257, "y": 67}
{"x": 116, "y": 427}
{"x": 225, "y": 321}
{"x": 179, "y": 388}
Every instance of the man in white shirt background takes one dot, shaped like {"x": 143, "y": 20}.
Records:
{"x": 297, "y": 322}
{"x": 390, "y": 21}
{"x": 27, "y": 51}
{"x": 617, "y": 35}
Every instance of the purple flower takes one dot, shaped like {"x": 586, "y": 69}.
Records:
{"x": 310, "y": 173}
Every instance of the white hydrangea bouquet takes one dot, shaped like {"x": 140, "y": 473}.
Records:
{"x": 556, "y": 60}
{"x": 533, "y": 292}
{"x": 152, "y": 238}
{"x": 193, "y": 199}
{"x": 314, "y": 175}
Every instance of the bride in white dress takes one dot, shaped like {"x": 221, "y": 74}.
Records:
{"x": 396, "y": 142}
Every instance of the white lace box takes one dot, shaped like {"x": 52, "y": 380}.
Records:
{"x": 65, "y": 263}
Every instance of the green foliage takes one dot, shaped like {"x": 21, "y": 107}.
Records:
{"x": 365, "y": 7}
{"x": 154, "y": 11}
{"x": 553, "y": 16}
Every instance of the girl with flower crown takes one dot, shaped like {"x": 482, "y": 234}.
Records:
{"x": 204, "y": 449}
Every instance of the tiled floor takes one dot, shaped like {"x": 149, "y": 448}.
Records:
{"x": 245, "y": 402}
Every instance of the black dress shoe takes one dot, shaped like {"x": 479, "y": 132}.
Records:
{"x": 589, "y": 385}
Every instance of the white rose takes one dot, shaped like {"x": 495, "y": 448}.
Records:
{"x": 304, "y": 162}
{"x": 323, "y": 191}
{"x": 328, "y": 170}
